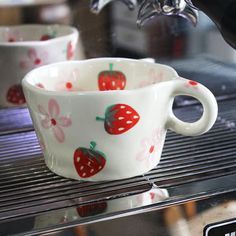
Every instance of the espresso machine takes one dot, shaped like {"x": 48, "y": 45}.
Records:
{"x": 193, "y": 190}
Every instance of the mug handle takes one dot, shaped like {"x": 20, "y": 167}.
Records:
{"x": 210, "y": 109}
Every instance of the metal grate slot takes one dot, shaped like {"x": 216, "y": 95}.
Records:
{"x": 28, "y": 187}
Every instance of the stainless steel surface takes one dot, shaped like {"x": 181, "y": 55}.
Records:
{"x": 97, "y": 5}
{"x": 14, "y": 120}
{"x": 185, "y": 219}
{"x": 153, "y": 8}
{"x": 192, "y": 168}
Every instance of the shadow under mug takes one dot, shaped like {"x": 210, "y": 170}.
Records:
{"x": 25, "y": 47}
{"x": 106, "y": 118}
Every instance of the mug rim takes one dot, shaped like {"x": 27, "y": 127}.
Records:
{"x": 26, "y": 83}
{"x": 73, "y": 31}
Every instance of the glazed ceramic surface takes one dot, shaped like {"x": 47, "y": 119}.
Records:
{"x": 106, "y": 118}
{"x": 25, "y": 47}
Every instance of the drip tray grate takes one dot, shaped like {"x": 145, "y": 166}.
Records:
{"x": 14, "y": 119}
{"x": 28, "y": 187}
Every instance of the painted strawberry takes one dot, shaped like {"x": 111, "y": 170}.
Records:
{"x": 119, "y": 118}
{"x": 15, "y": 95}
{"x": 45, "y": 37}
{"x": 88, "y": 162}
{"x": 111, "y": 80}
{"x": 11, "y": 40}
{"x": 92, "y": 209}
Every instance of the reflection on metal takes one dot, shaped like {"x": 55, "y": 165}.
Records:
{"x": 14, "y": 120}
{"x": 191, "y": 4}
{"x": 97, "y": 5}
{"x": 152, "y": 8}
{"x": 176, "y": 215}
{"x": 102, "y": 209}
{"x": 195, "y": 173}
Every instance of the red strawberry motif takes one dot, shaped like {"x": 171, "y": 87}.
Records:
{"x": 92, "y": 209}
{"x": 111, "y": 80}
{"x": 119, "y": 118}
{"x": 15, "y": 95}
{"x": 45, "y": 37}
{"x": 69, "y": 51}
{"x": 88, "y": 162}
{"x": 11, "y": 40}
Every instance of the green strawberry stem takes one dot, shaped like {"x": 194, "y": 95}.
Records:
{"x": 92, "y": 145}
{"x": 100, "y": 118}
{"x": 111, "y": 66}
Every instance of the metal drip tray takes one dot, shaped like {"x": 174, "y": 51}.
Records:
{"x": 14, "y": 120}
{"x": 190, "y": 168}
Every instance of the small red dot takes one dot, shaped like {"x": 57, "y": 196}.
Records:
{"x": 151, "y": 149}
{"x": 53, "y": 122}
{"x": 193, "y": 83}
{"x": 11, "y": 40}
{"x": 40, "y": 85}
{"x": 37, "y": 61}
{"x": 68, "y": 85}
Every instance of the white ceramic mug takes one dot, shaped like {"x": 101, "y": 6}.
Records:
{"x": 106, "y": 118}
{"x": 25, "y": 47}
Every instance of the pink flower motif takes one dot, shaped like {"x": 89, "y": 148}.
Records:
{"x": 52, "y": 120}
{"x": 39, "y": 85}
{"x": 150, "y": 147}
{"x": 11, "y": 36}
{"x": 70, "y": 51}
{"x": 68, "y": 82}
{"x": 34, "y": 59}
{"x": 154, "y": 77}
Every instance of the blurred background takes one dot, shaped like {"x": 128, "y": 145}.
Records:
{"x": 114, "y": 32}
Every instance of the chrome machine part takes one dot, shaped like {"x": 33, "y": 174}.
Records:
{"x": 153, "y": 8}
{"x": 97, "y": 5}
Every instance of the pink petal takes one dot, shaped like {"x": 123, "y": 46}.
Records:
{"x": 145, "y": 142}
{"x": 64, "y": 121}
{"x": 46, "y": 123}
{"x": 43, "y": 56}
{"x": 42, "y": 110}
{"x": 75, "y": 74}
{"x": 141, "y": 155}
{"x": 53, "y": 108}
{"x": 161, "y": 75}
{"x": 60, "y": 86}
{"x": 143, "y": 84}
{"x": 32, "y": 54}
{"x": 157, "y": 136}
{"x": 59, "y": 134}
{"x": 151, "y": 72}
{"x": 25, "y": 64}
